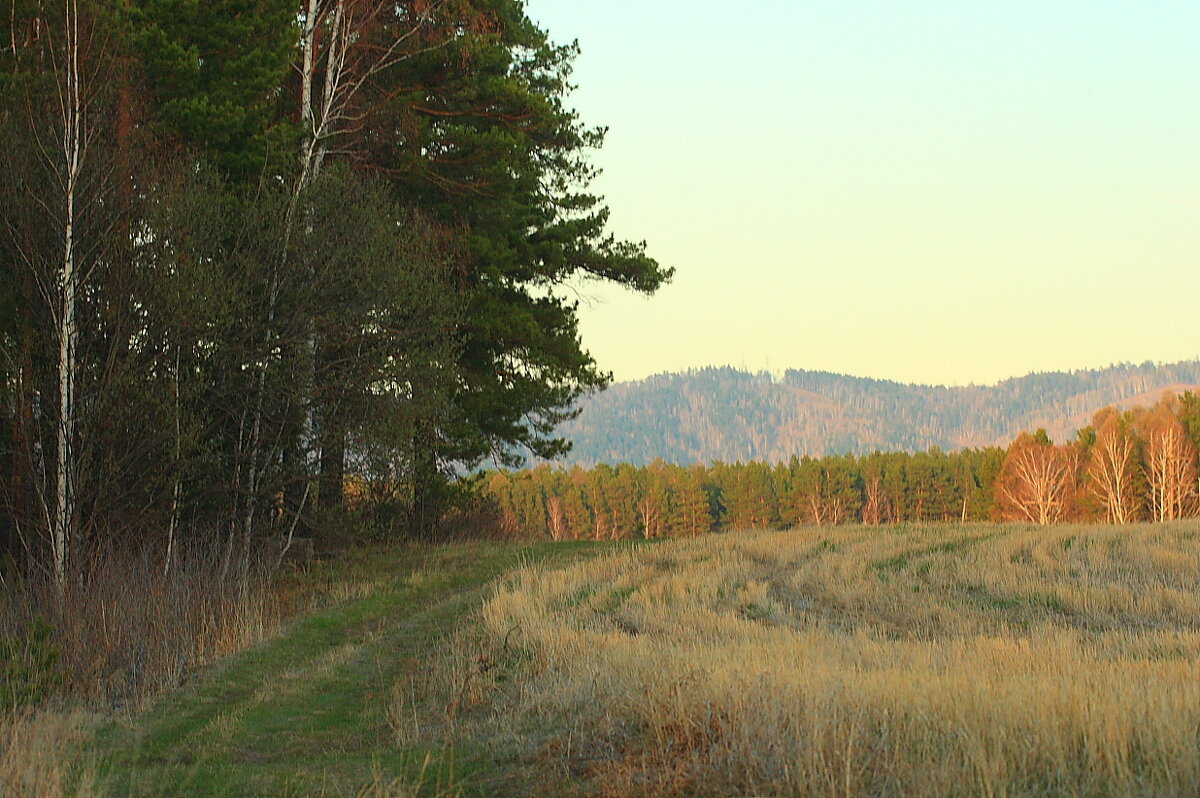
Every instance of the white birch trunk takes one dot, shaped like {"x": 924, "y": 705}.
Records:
{"x": 322, "y": 118}
{"x": 68, "y": 333}
{"x": 173, "y": 524}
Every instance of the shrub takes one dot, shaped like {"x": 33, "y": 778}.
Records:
{"x": 29, "y": 670}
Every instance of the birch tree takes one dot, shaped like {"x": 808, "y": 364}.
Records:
{"x": 1037, "y": 481}
{"x": 74, "y": 134}
{"x": 52, "y": 230}
{"x": 1112, "y": 467}
{"x": 1169, "y": 467}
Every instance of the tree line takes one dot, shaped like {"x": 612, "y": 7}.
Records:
{"x": 250, "y": 247}
{"x": 1132, "y": 465}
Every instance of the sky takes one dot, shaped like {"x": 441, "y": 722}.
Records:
{"x": 943, "y": 192}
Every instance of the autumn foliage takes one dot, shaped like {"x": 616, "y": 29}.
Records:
{"x": 1169, "y": 462}
{"x": 1038, "y": 482}
{"x": 1126, "y": 466}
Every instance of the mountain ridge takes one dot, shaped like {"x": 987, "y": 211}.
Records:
{"x": 730, "y": 414}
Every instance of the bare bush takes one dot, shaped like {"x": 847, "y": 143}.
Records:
{"x": 123, "y": 627}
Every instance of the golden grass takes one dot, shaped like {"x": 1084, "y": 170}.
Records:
{"x": 935, "y": 660}
{"x": 38, "y": 753}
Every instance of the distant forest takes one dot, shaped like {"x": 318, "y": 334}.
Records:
{"x": 728, "y": 414}
{"x": 1125, "y": 466}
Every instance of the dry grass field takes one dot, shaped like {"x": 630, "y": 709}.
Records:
{"x": 912, "y": 661}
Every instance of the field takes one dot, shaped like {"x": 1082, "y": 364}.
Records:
{"x": 967, "y": 660}
{"x": 973, "y": 660}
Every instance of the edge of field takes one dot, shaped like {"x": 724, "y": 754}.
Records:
{"x": 306, "y": 712}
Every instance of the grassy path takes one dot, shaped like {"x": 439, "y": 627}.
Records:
{"x": 306, "y": 712}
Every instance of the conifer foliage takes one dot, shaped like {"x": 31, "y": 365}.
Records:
{"x": 253, "y": 249}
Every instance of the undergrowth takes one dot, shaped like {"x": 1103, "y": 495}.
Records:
{"x": 123, "y": 630}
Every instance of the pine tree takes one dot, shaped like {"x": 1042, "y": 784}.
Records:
{"x": 654, "y": 507}
{"x": 576, "y": 511}
{"x": 789, "y": 499}
{"x": 215, "y": 71}
{"x": 622, "y": 494}
{"x": 843, "y": 496}
{"x": 690, "y": 515}
{"x": 494, "y": 150}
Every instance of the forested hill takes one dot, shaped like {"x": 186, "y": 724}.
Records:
{"x": 732, "y": 415}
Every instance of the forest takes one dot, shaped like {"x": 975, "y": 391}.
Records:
{"x": 251, "y": 247}
{"x": 1126, "y": 466}
{"x": 730, "y": 414}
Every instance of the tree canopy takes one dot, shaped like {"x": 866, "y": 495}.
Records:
{"x": 251, "y": 249}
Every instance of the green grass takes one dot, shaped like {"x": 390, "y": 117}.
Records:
{"x": 306, "y": 712}
{"x": 901, "y": 561}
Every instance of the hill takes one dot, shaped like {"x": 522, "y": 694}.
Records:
{"x": 728, "y": 414}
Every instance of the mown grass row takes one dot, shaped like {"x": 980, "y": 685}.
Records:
{"x": 933, "y": 660}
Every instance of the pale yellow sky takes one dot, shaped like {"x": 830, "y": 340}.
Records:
{"x": 942, "y": 192}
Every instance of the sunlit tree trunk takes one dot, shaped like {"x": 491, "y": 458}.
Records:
{"x": 1111, "y": 467}
{"x": 872, "y": 513}
{"x": 816, "y": 507}
{"x": 63, "y": 514}
{"x": 651, "y": 516}
{"x": 1036, "y": 482}
{"x": 556, "y": 519}
{"x": 1170, "y": 464}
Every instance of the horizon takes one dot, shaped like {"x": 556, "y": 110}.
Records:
{"x": 727, "y": 414}
{"x": 937, "y": 193}
{"x": 777, "y": 374}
